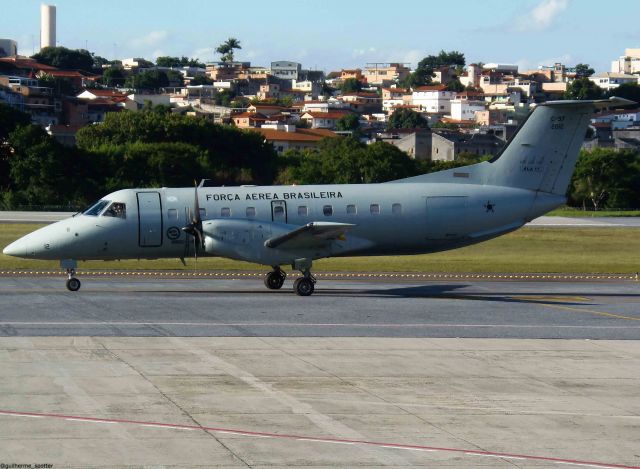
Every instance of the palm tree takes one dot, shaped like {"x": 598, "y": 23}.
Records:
{"x": 226, "y": 49}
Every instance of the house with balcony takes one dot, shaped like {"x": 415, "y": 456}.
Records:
{"x": 323, "y": 120}
{"x": 393, "y": 97}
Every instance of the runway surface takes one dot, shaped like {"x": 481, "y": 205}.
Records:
{"x": 33, "y": 306}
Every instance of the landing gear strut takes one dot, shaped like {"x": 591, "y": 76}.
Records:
{"x": 73, "y": 284}
{"x": 305, "y": 285}
{"x": 275, "y": 279}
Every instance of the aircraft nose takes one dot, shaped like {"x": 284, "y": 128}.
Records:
{"x": 17, "y": 249}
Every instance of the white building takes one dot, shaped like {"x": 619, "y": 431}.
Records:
{"x": 47, "y": 26}
{"x": 465, "y": 110}
{"x": 286, "y": 70}
{"x": 628, "y": 63}
{"x": 433, "y": 99}
{"x": 609, "y": 80}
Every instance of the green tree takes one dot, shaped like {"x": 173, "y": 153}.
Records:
{"x": 423, "y": 73}
{"x": 10, "y": 119}
{"x": 455, "y": 85}
{"x": 68, "y": 59}
{"x": 348, "y": 122}
{"x": 226, "y": 49}
{"x": 346, "y": 160}
{"x": 606, "y": 178}
{"x": 628, "y": 91}
{"x": 201, "y": 80}
{"x": 166, "y": 61}
{"x": 351, "y": 85}
{"x": 583, "y": 88}
{"x": 43, "y": 172}
{"x": 227, "y": 155}
{"x": 584, "y": 71}
{"x": 407, "y": 119}
{"x": 113, "y": 77}
{"x": 154, "y": 80}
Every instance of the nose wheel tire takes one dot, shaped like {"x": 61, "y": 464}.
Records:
{"x": 274, "y": 279}
{"x": 303, "y": 286}
{"x": 73, "y": 284}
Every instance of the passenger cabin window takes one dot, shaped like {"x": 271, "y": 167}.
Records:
{"x": 225, "y": 212}
{"x": 302, "y": 211}
{"x": 327, "y": 210}
{"x": 116, "y": 210}
{"x": 96, "y": 208}
{"x": 251, "y": 212}
{"x": 172, "y": 214}
{"x": 351, "y": 209}
{"x": 203, "y": 212}
{"x": 375, "y": 209}
{"x": 396, "y": 209}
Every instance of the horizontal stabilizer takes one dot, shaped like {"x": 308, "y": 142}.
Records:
{"x": 311, "y": 235}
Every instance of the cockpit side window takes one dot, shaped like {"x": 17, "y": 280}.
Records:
{"x": 96, "y": 208}
{"x": 116, "y": 210}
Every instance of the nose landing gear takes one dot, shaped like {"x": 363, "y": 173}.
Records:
{"x": 275, "y": 279}
{"x": 73, "y": 284}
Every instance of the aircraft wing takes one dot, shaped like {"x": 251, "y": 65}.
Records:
{"x": 311, "y": 235}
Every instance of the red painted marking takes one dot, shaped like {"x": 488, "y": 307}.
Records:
{"x": 326, "y": 439}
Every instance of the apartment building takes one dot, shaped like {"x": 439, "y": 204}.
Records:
{"x": 433, "y": 99}
{"x": 384, "y": 74}
{"x": 628, "y": 63}
{"x": 610, "y": 80}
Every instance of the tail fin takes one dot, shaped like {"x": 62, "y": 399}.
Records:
{"x": 542, "y": 155}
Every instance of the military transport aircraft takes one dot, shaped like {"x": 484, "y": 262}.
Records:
{"x": 294, "y": 225}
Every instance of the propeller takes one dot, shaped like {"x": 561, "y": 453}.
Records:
{"x": 194, "y": 229}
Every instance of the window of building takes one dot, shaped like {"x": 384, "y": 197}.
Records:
{"x": 375, "y": 209}
{"x": 172, "y": 214}
{"x": 251, "y": 212}
{"x": 225, "y": 212}
{"x": 327, "y": 210}
{"x": 302, "y": 211}
{"x": 396, "y": 209}
{"x": 351, "y": 209}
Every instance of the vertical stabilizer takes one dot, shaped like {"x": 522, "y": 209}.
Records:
{"x": 542, "y": 154}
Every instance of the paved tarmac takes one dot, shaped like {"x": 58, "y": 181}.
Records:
{"x": 132, "y": 372}
{"x": 318, "y": 402}
{"x": 140, "y": 306}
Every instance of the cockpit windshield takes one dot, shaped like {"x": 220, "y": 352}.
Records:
{"x": 96, "y": 208}
{"x": 117, "y": 210}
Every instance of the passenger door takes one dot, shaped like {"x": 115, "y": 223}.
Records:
{"x": 149, "y": 219}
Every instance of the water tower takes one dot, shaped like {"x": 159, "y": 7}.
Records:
{"x": 47, "y": 26}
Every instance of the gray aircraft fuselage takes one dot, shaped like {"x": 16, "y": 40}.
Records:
{"x": 294, "y": 225}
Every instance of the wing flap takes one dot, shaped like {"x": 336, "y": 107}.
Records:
{"x": 311, "y": 235}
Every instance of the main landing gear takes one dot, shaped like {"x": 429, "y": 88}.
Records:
{"x": 303, "y": 286}
{"x": 73, "y": 284}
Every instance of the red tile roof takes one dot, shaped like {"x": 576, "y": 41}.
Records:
{"x": 431, "y": 88}
{"x": 300, "y": 135}
{"x": 327, "y": 115}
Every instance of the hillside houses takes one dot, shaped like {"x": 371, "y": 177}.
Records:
{"x": 294, "y": 107}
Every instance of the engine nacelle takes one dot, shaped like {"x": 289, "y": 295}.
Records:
{"x": 244, "y": 240}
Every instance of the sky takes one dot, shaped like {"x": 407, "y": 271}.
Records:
{"x": 330, "y": 35}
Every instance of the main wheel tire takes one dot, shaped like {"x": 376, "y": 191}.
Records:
{"x": 303, "y": 286}
{"x": 274, "y": 280}
{"x": 73, "y": 284}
